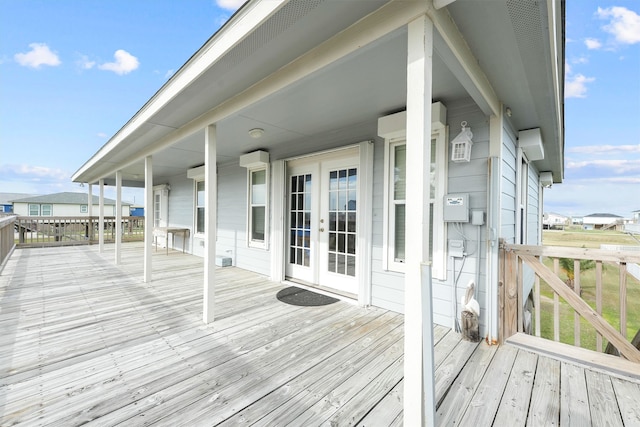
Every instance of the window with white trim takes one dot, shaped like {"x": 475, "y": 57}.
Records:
{"x": 34, "y": 210}
{"x": 200, "y": 220}
{"x": 84, "y": 208}
{"x": 258, "y": 183}
{"x": 47, "y": 210}
{"x": 395, "y": 202}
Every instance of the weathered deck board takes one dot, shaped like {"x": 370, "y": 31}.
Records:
{"x": 85, "y": 341}
{"x": 461, "y": 392}
{"x": 602, "y": 400}
{"x": 574, "y": 400}
{"x": 484, "y": 404}
{"x": 514, "y": 405}
{"x": 544, "y": 409}
{"x": 627, "y": 396}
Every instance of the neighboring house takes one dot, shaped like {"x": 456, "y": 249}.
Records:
{"x": 598, "y": 221}
{"x": 636, "y": 217}
{"x": 64, "y": 204}
{"x": 554, "y": 220}
{"x": 577, "y": 220}
{"x": 322, "y": 143}
{"x": 135, "y": 210}
{"x": 6, "y": 206}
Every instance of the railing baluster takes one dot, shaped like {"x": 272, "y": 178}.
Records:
{"x": 556, "y": 304}
{"x": 599, "y": 302}
{"x": 520, "y": 300}
{"x": 623, "y": 299}
{"x": 576, "y": 288}
{"x": 536, "y": 301}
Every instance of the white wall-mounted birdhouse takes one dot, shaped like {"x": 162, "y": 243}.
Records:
{"x": 461, "y": 145}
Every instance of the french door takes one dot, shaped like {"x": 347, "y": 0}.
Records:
{"x": 322, "y": 231}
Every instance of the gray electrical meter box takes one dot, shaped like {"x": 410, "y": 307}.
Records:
{"x": 456, "y": 207}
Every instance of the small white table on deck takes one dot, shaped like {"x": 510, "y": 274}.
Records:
{"x": 165, "y": 231}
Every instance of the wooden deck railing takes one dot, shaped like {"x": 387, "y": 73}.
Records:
{"x": 7, "y": 242}
{"x": 54, "y": 230}
{"x": 513, "y": 258}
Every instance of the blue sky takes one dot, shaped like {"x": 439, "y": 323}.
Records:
{"x": 73, "y": 72}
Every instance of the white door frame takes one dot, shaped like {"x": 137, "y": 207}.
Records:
{"x": 364, "y": 218}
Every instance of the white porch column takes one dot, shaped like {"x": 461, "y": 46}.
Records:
{"x": 90, "y": 213}
{"x": 419, "y": 389}
{"x": 118, "y": 224}
{"x": 101, "y": 220}
{"x": 148, "y": 216}
{"x": 210, "y": 208}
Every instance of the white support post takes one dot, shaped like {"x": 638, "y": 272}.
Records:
{"x": 419, "y": 387}
{"x": 101, "y": 220}
{"x": 118, "y": 225}
{"x": 277, "y": 206}
{"x": 210, "y": 208}
{"x": 90, "y": 213}
{"x": 148, "y": 216}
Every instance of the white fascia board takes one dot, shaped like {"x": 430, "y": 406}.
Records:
{"x": 383, "y": 21}
{"x": 462, "y": 63}
{"x": 233, "y": 32}
{"x": 555, "y": 23}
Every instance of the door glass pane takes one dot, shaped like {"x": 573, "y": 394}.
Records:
{"x": 342, "y": 221}
{"x": 300, "y": 224}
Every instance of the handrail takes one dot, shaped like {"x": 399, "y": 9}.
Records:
{"x": 596, "y": 320}
{"x": 74, "y": 230}
{"x": 7, "y": 242}
{"x": 515, "y": 257}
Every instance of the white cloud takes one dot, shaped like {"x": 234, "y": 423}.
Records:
{"x": 230, "y": 4}
{"x": 576, "y": 86}
{"x": 616, "y": 166}
{"x": 624, "y": 24}
{"x": 40, "y": 54}
{"x": 124, "y": 63}
{"x": 102, "y": 135}
{"x": 85, "y": 63}
{"x": 608, "y": 149}
{"x": 169, "y": 73}
{"x": 33, "y": 173}
{"x": 592, "y": 43}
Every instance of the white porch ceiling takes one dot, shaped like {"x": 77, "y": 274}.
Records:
{"x": 341, "y": 101}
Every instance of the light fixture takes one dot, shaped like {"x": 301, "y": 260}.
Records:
{"x": 461, "y": 145}
{"x": 508, "y": 111}
{"x": 256, "y": 133}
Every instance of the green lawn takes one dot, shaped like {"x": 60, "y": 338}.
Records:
{"x": 610, "y": 289}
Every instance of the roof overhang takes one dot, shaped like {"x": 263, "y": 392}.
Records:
{"x": 309, "y": 72}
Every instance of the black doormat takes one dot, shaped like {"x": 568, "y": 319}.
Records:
{"x": 297, "y": 296}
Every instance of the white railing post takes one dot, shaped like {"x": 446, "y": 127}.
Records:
{"x": 117, "y": 227}
{"x": 101, "y": 220}
{"x": 148, "y": 216}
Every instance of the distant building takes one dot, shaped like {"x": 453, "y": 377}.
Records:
{"x": 136, "y": 210}
{"x": 600, "y": 221}
{"x": 65, "y": 204}
{"x": 5, "y": 200}
{"x": 577, "y": 220}
{"x": 636, "y": 216}
{"x": 554, "y": 220}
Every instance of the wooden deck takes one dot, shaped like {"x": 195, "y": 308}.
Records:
{"x": 84, "y": 341}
